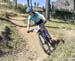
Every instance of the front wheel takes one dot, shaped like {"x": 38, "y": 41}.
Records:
{"x": 44, "y": 44}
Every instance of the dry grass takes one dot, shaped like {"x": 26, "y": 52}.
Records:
{"x": 66, "y": 51}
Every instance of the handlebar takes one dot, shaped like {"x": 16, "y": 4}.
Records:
{"x": 36, "y": 29}
{"x": 30, "y": 31}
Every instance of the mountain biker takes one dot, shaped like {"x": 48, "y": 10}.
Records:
{"x": 37, "y": 18}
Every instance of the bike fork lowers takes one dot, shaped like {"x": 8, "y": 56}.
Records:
{"x": 45, "y": 36}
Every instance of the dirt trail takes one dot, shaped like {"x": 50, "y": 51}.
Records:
{"x": 34, "y": 51}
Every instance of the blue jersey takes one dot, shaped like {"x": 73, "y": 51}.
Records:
{"x": 35, "y": 18}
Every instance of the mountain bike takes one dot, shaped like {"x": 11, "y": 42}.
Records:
{"x": 45, "y": 42}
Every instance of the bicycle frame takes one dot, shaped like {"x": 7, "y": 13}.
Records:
{"x": 43, "y": 34}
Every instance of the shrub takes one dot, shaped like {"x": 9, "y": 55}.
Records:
{"x": 21, "y": 8}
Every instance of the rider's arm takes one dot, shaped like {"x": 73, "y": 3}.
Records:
{"x": 28, "y": 24}
{"x": 41, "y": 17}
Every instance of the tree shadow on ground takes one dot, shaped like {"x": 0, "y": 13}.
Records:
{"x": 64, "y": 21}
{"x": 59, "y": 22}
{"x": 11, "y": 22}
{"x": 17, "y": 20}
{"x": 52, "y": 27}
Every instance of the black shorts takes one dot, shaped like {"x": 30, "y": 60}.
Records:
{"x": 40, "y": 22}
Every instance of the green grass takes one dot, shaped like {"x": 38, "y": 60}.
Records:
{"x": 60, "y": 24}
{"x": 4, "y": 5}
{"x": 63, "y": 31}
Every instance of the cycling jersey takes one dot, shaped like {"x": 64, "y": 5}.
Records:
{"x": 36, "y": 18}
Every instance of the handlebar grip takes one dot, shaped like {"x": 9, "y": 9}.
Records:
{"x": 30, "y": 31}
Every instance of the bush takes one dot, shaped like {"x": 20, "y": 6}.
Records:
{"x": 65, "y": 15}
{"x": 21, "y": 8}
{"x": 6, "y": 5}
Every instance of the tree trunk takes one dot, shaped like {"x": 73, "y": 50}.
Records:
{"x": 47, "y": 7}
{"x": 15, "y": 3}
{"x": 74, "y": 5}
{"x": 31, "y": 3}
{"x": 28, "y": 3}
{"x": 74, "y": 10}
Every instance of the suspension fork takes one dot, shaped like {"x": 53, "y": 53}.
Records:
{"x": 45, "y": 30}
{"x": 43, "y": 34}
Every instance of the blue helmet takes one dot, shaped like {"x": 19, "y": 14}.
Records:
{"x": 29, "y": 9}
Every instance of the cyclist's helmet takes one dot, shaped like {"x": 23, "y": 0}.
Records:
{"x": 29, "y": 9}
